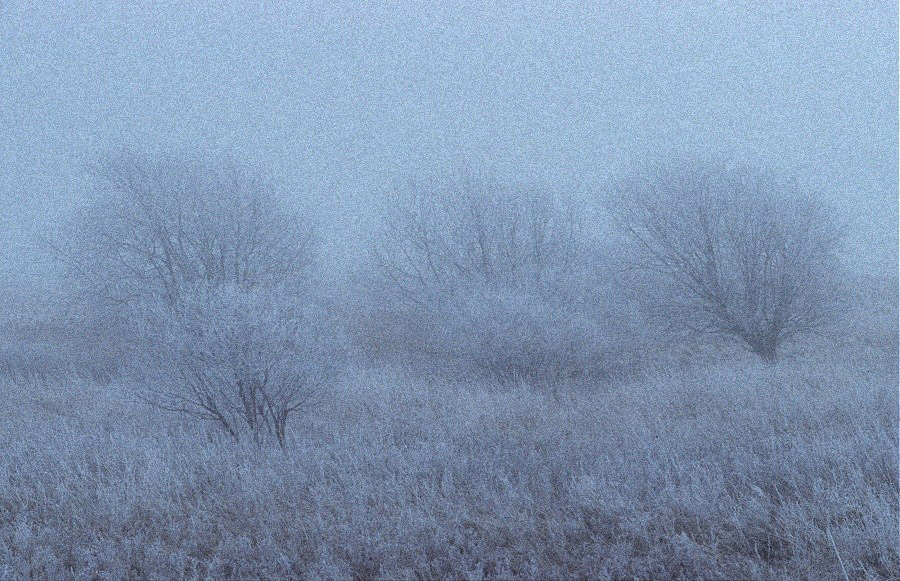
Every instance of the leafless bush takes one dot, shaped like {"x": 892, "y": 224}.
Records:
{"x": 205, "y": 280}
{"x": 160, "y": 226}
{"x": 501, "y": 279}
{"x": 245, "y": 359}
{"x": 734, "y": 254}
{"x": 448, "y": 234}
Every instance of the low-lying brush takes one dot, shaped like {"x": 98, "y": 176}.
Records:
{"x": 741, "y": 470}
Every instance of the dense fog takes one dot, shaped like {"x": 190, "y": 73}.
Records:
{"x": 448, "y": 290}
{"x": 339, "y": 101}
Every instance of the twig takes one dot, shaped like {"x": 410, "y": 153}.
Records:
{"x": 836, "y": 552}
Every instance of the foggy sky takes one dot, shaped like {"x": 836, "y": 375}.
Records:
{"x": 339, "y": 100}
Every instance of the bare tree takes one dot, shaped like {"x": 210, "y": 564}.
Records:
{"x": 205, "y": 282}
{"x": 740, "y": 256}
{"x": 451, "y": 233}
{"x": 160, "y": 226}
{"x": 500, "y": 279}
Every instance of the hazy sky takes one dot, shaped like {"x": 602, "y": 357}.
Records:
{"x": 338, "y": 100}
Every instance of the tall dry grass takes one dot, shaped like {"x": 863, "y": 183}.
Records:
{"x": 736, "y": 470}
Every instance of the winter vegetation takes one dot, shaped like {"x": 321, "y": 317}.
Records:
{"x": 678, "y": 379}
{"x": 740, "y": 469}
{"x": 495, "y": 280}
{"x": 424, "y": 290}
{"x": 243, "y": 359}
{"x": 738, "y": 255}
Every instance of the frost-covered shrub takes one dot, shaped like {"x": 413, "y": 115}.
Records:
{"x": 733, "y": 254}
{"x": 517, "y": 335}
{"x": 159, "y": 226}
{"x": 205, "y": 280}
{"x": 245, "y": 359}
{"x": 504, "y": 280}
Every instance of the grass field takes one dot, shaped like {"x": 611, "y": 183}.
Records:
{"x": 735, "y": 470}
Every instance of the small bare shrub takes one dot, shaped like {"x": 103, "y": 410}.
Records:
{"x": 245, "y": 359}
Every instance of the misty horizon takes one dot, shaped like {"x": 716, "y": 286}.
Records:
{"x": 337, "y": 103}
{"x": 449, "y": 290}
